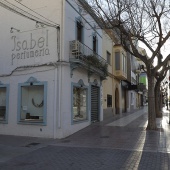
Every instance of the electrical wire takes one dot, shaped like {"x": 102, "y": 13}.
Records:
{"x": 9, "y": 6}
{"x": 35, "y": 12}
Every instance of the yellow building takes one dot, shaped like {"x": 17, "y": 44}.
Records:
{"x": 114, "y": 96}
{"x": 108, "y": 103}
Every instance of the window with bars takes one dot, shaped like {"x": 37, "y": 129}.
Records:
{"x": 109, "y": 100}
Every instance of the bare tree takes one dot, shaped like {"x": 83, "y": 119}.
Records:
{"x": 159, "y": 77}
{"x": 145, "y": 21}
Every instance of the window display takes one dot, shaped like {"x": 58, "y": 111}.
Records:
{"x": 32, "y": 103}
{"x": 79, "y": 103}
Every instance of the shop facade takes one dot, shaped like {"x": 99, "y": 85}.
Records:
{"x": 48, "y": 84}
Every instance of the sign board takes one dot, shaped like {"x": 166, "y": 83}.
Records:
{"x": 34, "y": 47}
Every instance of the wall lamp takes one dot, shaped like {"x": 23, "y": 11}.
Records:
{"x": 38, "y": 24}
{"x": 12, "y": 30}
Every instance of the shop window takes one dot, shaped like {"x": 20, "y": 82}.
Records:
{"x": 4, "y": 93}
{"x": 109, "y": 100}
{"x": 79, "y": 103}
{"x": 32, "y": 102}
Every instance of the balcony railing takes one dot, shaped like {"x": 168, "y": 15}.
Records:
{"x": 141, "y": 87}
{"x": 83, "y": 55}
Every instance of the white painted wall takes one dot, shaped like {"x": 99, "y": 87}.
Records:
{"x": 12, "y": 127}
{"x": 28, "y": 36}
{"x": 71, "y": 13}
{"x": 57, "y": 76}
{"x": 15, "y": 47}
{"x": 108, "y": 83}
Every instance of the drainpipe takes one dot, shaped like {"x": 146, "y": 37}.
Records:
{"x": 59, "y": 94}
{"x": 56, "y": 85}
{"x": 58, "y": 77}
{"x": 55, "y": 101}
{"x": 60, "y": 67}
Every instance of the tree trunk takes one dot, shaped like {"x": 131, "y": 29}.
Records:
{"x": 151, "y": 104}
{"x": 160, "y": 103}
{"x": 157, "y": 101}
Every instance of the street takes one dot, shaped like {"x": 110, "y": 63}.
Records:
{"x": 117, "y": 143}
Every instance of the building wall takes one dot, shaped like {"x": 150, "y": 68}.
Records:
{"x": 52, "y": 66}
{"x": 72, "y": 12}
{"x": 108, "y": 83}
{"x": 117, "y": 80}
{"x": 118, "y": 109}
{"x": 28, "y": 53}
{"x": 27, "y": 27}
{"x": 12, "y": 127}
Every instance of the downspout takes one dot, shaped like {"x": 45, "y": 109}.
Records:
{"x": 55, "y": 101}
{"x": 60, "y": 67}
{"x": 56, "y": 85}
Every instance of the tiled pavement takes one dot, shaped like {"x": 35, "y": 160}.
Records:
{"x": 117, "y": 143}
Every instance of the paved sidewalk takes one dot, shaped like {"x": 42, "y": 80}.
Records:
{"x": 115, "y": 133}
{"x": 121, "y": 142}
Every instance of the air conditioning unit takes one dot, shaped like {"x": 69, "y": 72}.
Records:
{"x": 75, "y": 46}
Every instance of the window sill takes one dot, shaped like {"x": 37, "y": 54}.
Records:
{"x": 3, "y": 121}
{"x": 32, "y": 122}
{"x": 79, "y": 121}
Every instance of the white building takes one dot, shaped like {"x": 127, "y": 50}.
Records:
{"x": 50, "y": 68}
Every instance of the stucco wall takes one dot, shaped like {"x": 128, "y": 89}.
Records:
{"x": 12, "y": 127}
{"x": 108, "y": 83}
{"x": 53, "y": 68}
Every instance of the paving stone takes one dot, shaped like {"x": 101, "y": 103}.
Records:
{"x": 97, "y": 147}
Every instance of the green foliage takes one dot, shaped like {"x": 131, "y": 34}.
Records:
{"x": 95, "y": 62}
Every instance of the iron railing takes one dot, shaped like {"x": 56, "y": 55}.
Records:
{"x": 81, "y": 52}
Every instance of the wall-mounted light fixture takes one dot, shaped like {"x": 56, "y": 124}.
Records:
{"x": 38, "y": 24}
{"x": 12, "y": 30}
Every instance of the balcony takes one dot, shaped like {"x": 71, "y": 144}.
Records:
{"x": 120, "y": 68}
{"x": 120, "y": 74}
{"x": 81, "y": 56}
{"x": 141, "y": 87}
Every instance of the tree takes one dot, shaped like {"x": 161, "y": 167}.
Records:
{"x": 159, "y": 77}
{"x": 145, "y": 21}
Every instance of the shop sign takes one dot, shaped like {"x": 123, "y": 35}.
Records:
{"x": 34, "y": 45}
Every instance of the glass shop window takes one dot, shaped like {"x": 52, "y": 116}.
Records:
{"x": 3, "y": 93}
{"x": 79, "y": 104}
{"x": 32, "y": 103}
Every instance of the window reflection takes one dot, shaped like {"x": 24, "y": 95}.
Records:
{"x": 32, "y": 103}
{"x": 2, "y": 103}
{"x": 79, "y": 104}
